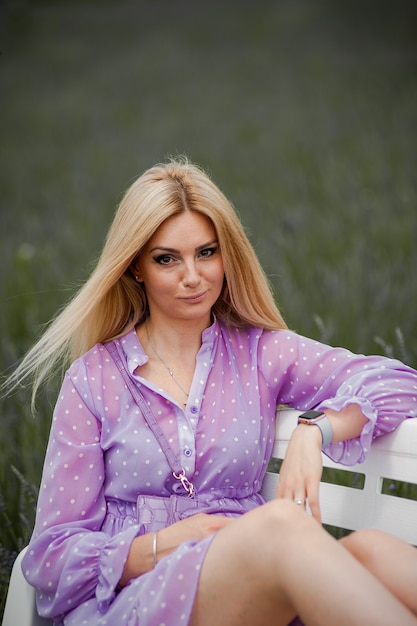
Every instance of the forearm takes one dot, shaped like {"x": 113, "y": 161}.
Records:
{"x": 141, "y": 558}
{"x": 144, "y": 553}
{"x": 146, "y": 550}
{"x": 347, "y": 423}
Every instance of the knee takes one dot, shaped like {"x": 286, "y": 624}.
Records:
{"x": 364, "y": 544}
{"x": 283, "y": 519}
{"x": 279, "y": 527}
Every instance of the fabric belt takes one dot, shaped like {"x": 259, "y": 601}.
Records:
{"x": 157, "y": 512}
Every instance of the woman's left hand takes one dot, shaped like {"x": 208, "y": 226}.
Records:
{"x": 302, "y": 468}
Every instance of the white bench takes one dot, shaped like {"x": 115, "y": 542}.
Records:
{"x": 392, "y": 458}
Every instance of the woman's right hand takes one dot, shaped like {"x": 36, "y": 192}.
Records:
{"x": 194, "y": 528}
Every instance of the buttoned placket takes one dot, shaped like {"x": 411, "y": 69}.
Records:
{"x": 187, "y": 418}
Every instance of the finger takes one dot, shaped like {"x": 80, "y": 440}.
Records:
{"x": 314, "y": 503}
{"x": 292, "y": 494}
{"x": 300, "y": 501}
{"x": 288, "y": 485}
{"x": 280, "y": 486}
{"x": 296, "y": 494}
{"x": 289, "y": 490}
{"x": 222, "y": 522}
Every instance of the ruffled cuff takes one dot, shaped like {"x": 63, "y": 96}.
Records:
{"x": 355, "y": 450}
{"x": 112, "y": 560}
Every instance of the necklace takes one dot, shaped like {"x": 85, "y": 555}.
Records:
{"x": 169, "y": 370}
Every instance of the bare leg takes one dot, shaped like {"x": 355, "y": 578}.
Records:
{"x": 277, "y": 562}
{"x": 391, "y": 560}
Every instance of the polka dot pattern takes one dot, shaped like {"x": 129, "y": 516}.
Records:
{"x": 106, "y": 479}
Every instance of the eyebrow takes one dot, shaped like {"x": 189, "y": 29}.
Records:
{"x": 175, "y": 251}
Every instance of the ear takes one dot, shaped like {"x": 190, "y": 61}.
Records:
{"x": 135, "y": 269}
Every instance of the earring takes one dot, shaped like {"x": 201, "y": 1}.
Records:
{"x": 137, "y": 278}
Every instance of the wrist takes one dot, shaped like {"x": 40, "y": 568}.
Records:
{"x": 140, "y": 558}
{"x": 320, "y": 420}
{"x": 313, "y": 434}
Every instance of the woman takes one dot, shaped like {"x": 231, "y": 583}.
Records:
{"x": 149, "y": 511}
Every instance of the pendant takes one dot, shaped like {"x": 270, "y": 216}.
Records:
{"x": 187, "y": 484}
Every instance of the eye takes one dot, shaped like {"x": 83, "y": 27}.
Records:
{"x": 208, "y": 252}
{"x": 164, "y": 259}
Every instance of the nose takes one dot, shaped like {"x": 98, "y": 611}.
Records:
{"x": 191, "y": 276}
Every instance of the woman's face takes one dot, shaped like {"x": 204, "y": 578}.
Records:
{"x": 182, "y": 269}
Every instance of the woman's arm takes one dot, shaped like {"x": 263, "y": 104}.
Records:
{"x": 70, "y": 559}
{"x": 347, "y": 423}
{"x": 302, "y": 467}
{"x": 141, "y": 555}
{"x": 306, "y": 374}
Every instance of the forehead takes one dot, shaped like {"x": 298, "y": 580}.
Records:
{"x": 188, "y": 228}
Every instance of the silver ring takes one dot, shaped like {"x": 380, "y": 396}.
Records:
{"x": 299, "y": 502}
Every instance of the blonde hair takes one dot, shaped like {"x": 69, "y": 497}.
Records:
{"x": 111, "y": 302}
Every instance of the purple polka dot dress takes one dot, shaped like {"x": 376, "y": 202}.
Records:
{"x": 106, "y": 479}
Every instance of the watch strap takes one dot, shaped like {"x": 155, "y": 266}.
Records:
{"x": 326, "y": 431}
{"x": 321, "y": 420}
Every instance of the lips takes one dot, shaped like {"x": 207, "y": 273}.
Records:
{"x": 198, "y": 297}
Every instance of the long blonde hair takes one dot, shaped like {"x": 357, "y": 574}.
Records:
{"x": 111, "y": 302}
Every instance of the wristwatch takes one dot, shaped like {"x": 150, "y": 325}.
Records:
{"x": 320, "y": 419}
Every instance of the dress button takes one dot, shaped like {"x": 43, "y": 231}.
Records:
{"x": 194, "y": 409}
{"x": 187, "y": 452}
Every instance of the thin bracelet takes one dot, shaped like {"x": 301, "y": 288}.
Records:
{"x": 155, "y": 537}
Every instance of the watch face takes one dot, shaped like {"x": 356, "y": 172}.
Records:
{"x": 311, "y": 415}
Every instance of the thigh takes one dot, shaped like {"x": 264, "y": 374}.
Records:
{"x": 391, "y": 560}
{"x": 276, "y": 562}
{"x": 235, "y": 587}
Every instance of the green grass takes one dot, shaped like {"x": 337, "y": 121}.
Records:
{"x": 303, "y": 111}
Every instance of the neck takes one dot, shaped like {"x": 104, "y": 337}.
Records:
{"x": 176, "y": 338}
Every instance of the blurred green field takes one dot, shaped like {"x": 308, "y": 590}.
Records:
{"x": 303, "y": 111}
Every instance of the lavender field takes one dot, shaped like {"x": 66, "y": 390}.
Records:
{"x": 304, "y": 112}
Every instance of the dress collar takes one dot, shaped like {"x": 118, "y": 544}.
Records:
{"x": 136, "y": 355}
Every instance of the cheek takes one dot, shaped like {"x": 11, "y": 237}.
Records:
{"x": 158, "y": 284}
{"x": 162, "y": 283}
{"x": 218, "y": 272}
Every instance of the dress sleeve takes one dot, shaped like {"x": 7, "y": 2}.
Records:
{"x": 307, "y": 374}
{"x": 69, "y": 559}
